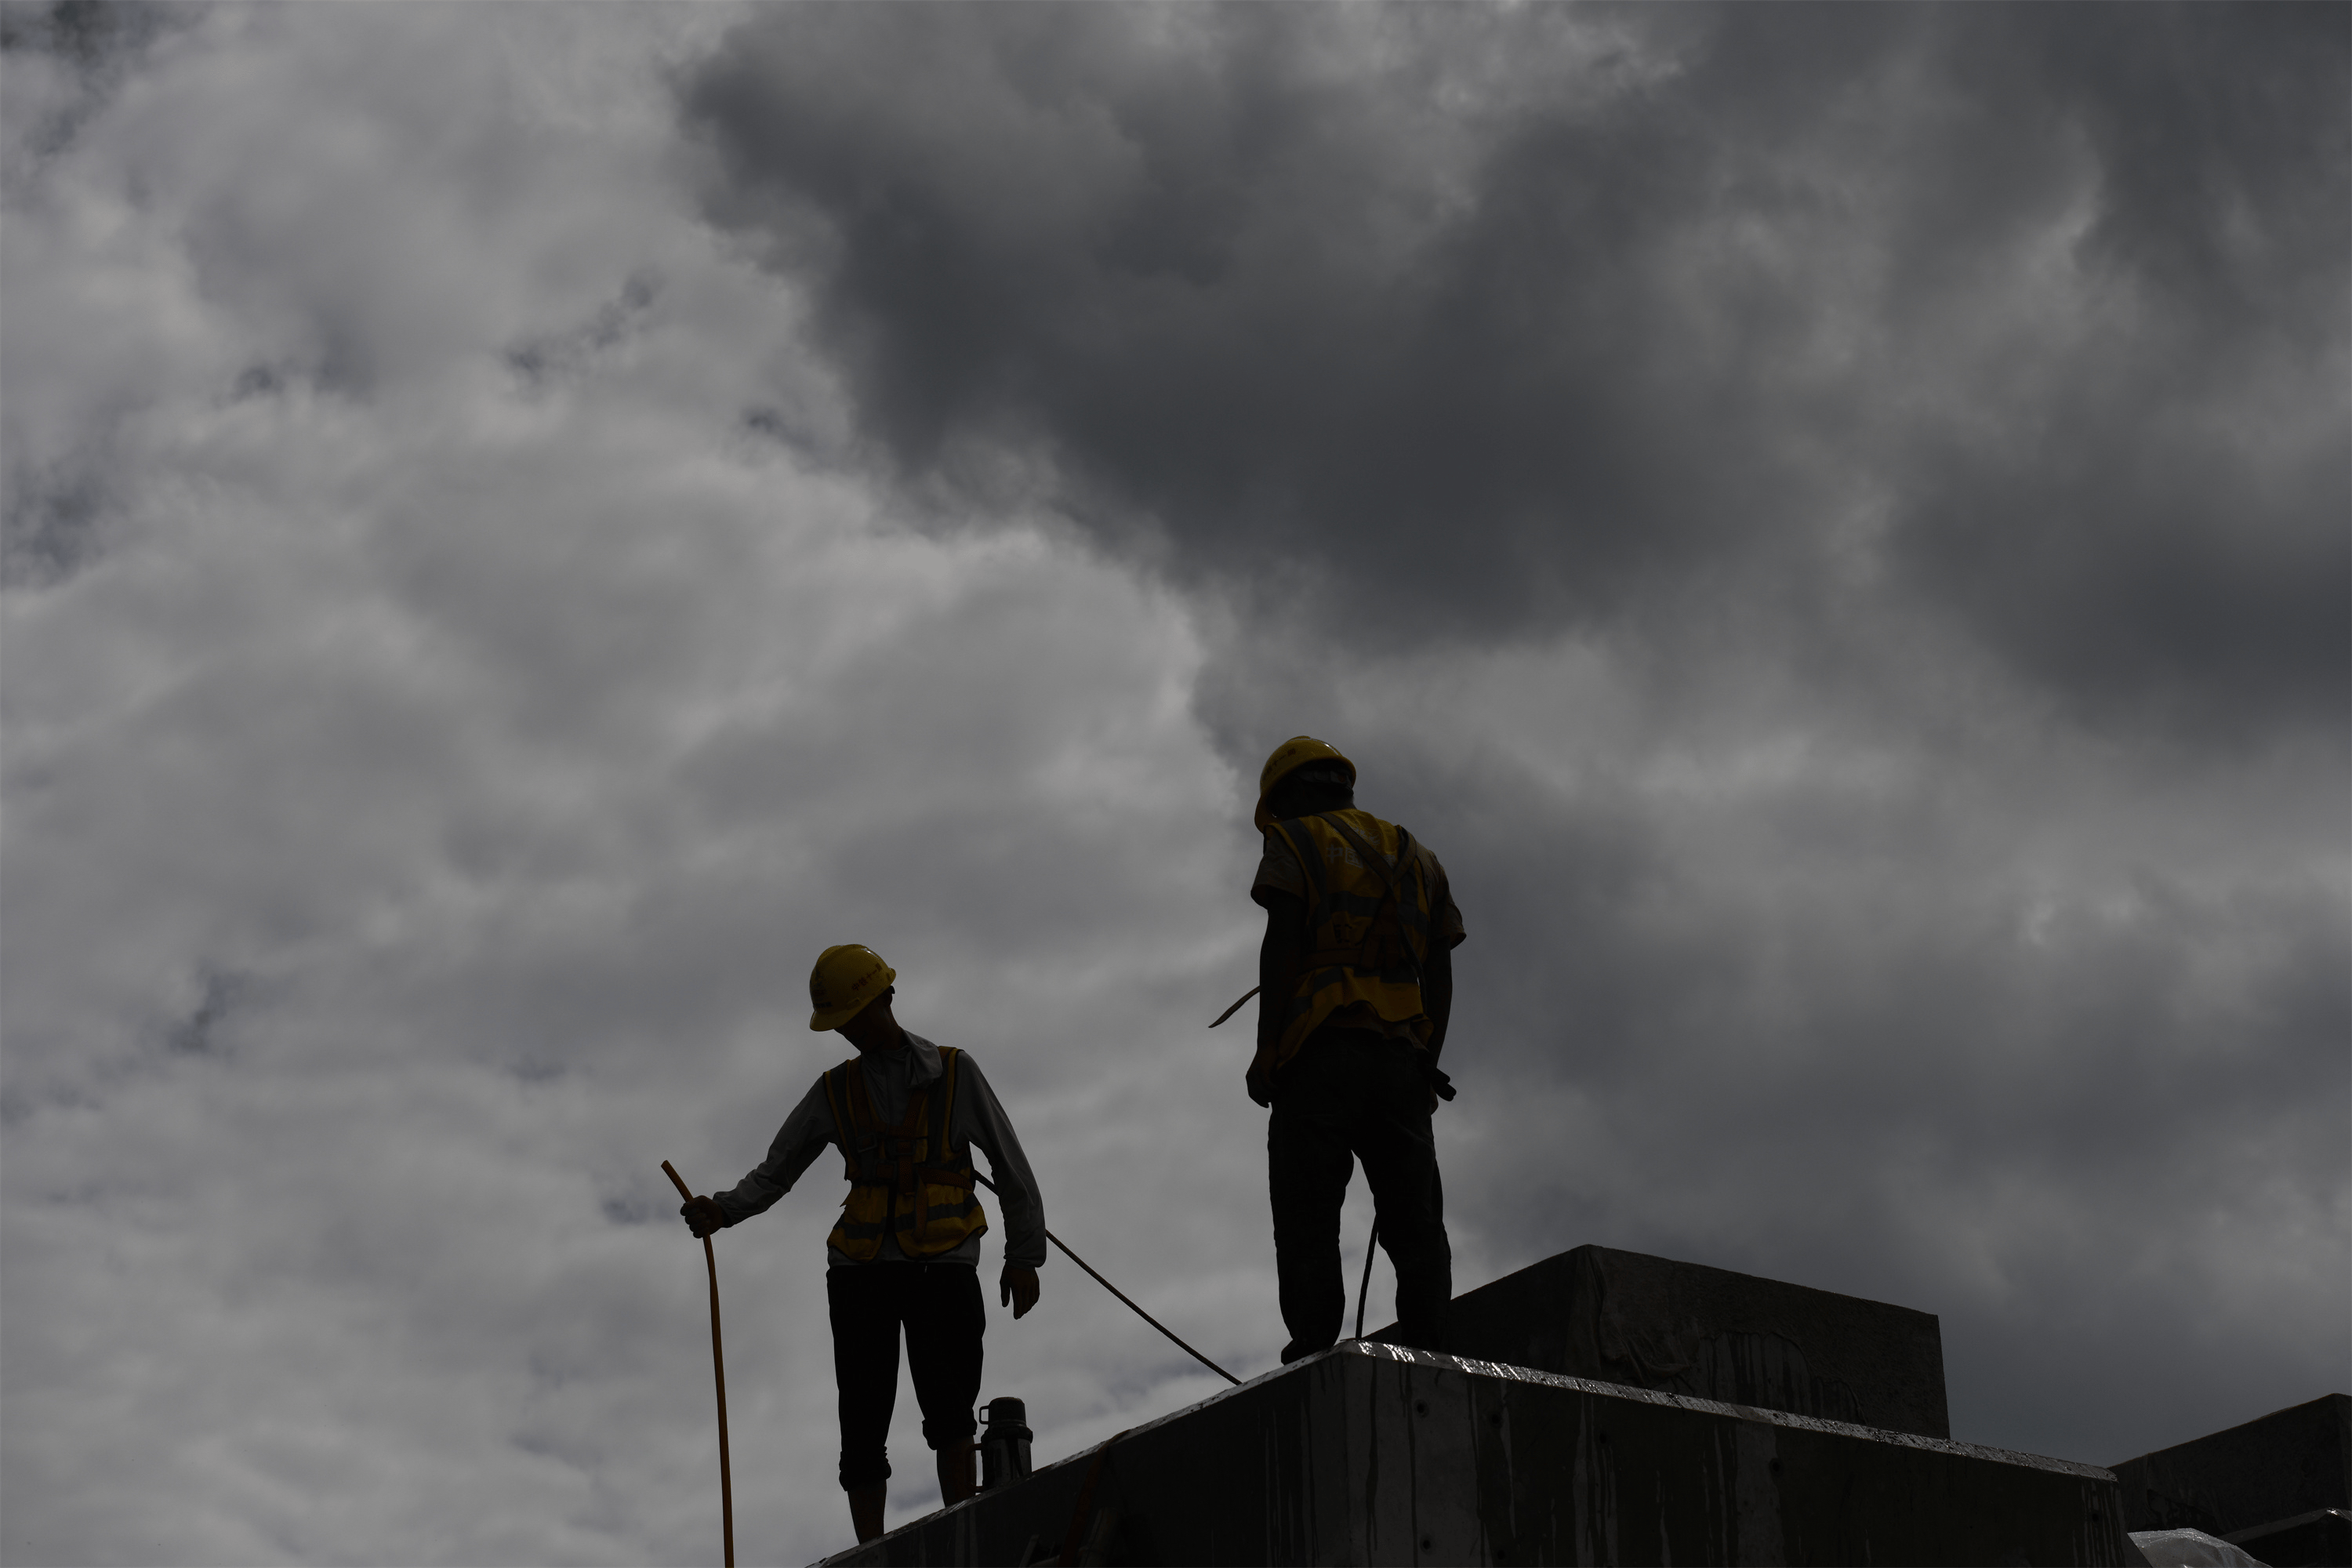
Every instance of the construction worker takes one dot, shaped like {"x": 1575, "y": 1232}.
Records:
{"x": 1356, "y": 983}
{"x": 905, "y": 1114}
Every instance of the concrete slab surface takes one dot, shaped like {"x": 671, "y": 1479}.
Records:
{"x": 1687, "y": 1328}
{"x": 1371, "y": 1453}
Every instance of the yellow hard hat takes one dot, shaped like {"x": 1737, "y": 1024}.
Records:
{"x": 1288, "y": 757}
{"x": 845, "y": 980}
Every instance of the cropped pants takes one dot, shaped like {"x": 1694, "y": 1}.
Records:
{"x": 938, "y": 1305}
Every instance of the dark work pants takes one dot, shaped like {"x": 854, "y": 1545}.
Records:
{"x": 1349, "y": 1095}
{"x": 939, "y": 1306}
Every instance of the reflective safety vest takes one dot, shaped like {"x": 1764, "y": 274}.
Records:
{"x": 903, "y": 1180}
{"x": 1366, "y": 926}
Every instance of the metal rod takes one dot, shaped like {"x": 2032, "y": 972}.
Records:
{"x": 1122, "y": 1295}
{"x": 718, "y": 1371}
{"x": 1365, "y": 1289}
{"x": 1236, "y": 1007}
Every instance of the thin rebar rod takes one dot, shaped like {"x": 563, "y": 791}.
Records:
{"x": 1123, "y": 1296}
{"x": 1370, "y": 1243}
{"x": 1236, "y": 1007}
{"x": 718, "y": 1373}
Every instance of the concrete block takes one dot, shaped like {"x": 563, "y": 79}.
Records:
{"x": 1371, "y": 1453}
{"x": 2320, "y": 1539}
{"x": 2287, "y": 1463}
{"x": 1685, "y": 1327}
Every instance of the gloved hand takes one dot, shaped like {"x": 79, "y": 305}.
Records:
{"x": 702, "y": 1215}
{"x": 1019, "y": 1287}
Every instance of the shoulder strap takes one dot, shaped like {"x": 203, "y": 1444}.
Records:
{"x": 1374, "y": 861}
{"x": 1377, "y": 864}
{"x": 1314, "y": 877}
{"x": 941, "y": 1167}
{"x": 836, "y": 1082}
{"x": 1311, "y": 874}
{"x": 863, "y": 1116}
{"x": 943, "y": 1107}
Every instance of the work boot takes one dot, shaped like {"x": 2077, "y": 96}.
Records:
{"x": 955, "y": 1474}
{"x": 866, "y": 1508}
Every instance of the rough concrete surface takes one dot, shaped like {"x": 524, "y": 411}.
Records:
{"x": 1685, "y": 1328}
{"x": 1371, "y": 1453}
{"x": 2245, "y": 1477}
{"x": 2320, "y": 1539}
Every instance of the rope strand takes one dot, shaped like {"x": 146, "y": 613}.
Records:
{"x": 1122, "y": 1295}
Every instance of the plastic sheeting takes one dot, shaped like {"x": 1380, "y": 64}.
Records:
{"x": 2191, "y": 1549}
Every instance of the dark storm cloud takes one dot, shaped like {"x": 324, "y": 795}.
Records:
{"x": 1454, "y": 323}
{"x": 2148, "y": 529}
{"x": 101, "y": 40}
{"x": 49, "y": 522}
{"x": 93, "y": 33}
{"x": 551, "y": 356}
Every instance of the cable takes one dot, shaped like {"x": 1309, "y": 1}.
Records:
{"x": 1122, "y": 1295}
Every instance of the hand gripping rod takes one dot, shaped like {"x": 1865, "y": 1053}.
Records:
{"x": 1122, "y": 1295}
{"x": 719, "y": 1369}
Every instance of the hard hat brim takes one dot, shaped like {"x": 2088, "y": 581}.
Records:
{"x": 822, "y": 1019}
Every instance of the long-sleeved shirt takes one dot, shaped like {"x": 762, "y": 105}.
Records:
{"x": 891, "y": 1078}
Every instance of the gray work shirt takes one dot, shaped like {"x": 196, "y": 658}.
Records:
{"x": 891, "y": 1078}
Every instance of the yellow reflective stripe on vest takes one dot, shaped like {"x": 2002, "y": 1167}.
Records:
{"x": 904, "y": 1180}
{"x": 1357, "y": 951}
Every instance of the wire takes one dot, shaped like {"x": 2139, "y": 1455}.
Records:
{"x": 1122, "y": 1295}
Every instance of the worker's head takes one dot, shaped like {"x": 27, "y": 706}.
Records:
{"x": 846, "y": 980}
{"x": 1304, "y": 776}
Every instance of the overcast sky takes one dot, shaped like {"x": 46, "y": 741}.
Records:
{"x": 525, "y": 523}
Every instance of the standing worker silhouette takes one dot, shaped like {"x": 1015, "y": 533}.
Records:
{"x": 1356, "y": 983}
{"x": 905, "y": 1114}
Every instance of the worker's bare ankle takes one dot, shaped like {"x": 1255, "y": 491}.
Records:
{"x": 866, "y": 1508}
{"x": 955, "y": 1474}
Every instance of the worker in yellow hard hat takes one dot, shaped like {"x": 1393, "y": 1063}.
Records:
{"x": 1356, "y": 983}
{"x": 905, "y": 1114}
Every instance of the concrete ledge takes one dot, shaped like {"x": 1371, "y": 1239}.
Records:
{"x": 1652, "y": 1322}
{"x": 2287, "y": 1463}
{"x": 2320, "y": 1539}
{"x": 1369, "y": 1453}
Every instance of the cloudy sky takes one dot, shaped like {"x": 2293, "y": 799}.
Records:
{"x": 524, "y": 524}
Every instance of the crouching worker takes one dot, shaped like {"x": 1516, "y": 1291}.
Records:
{"x": 905, "y": 1114}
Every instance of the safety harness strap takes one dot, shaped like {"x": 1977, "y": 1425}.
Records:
{"x": 1367, "y": 957}
{"x": 901, "y": 1157}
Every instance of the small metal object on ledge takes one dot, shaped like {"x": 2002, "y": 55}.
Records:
{"x": 1004, "y": 1439}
